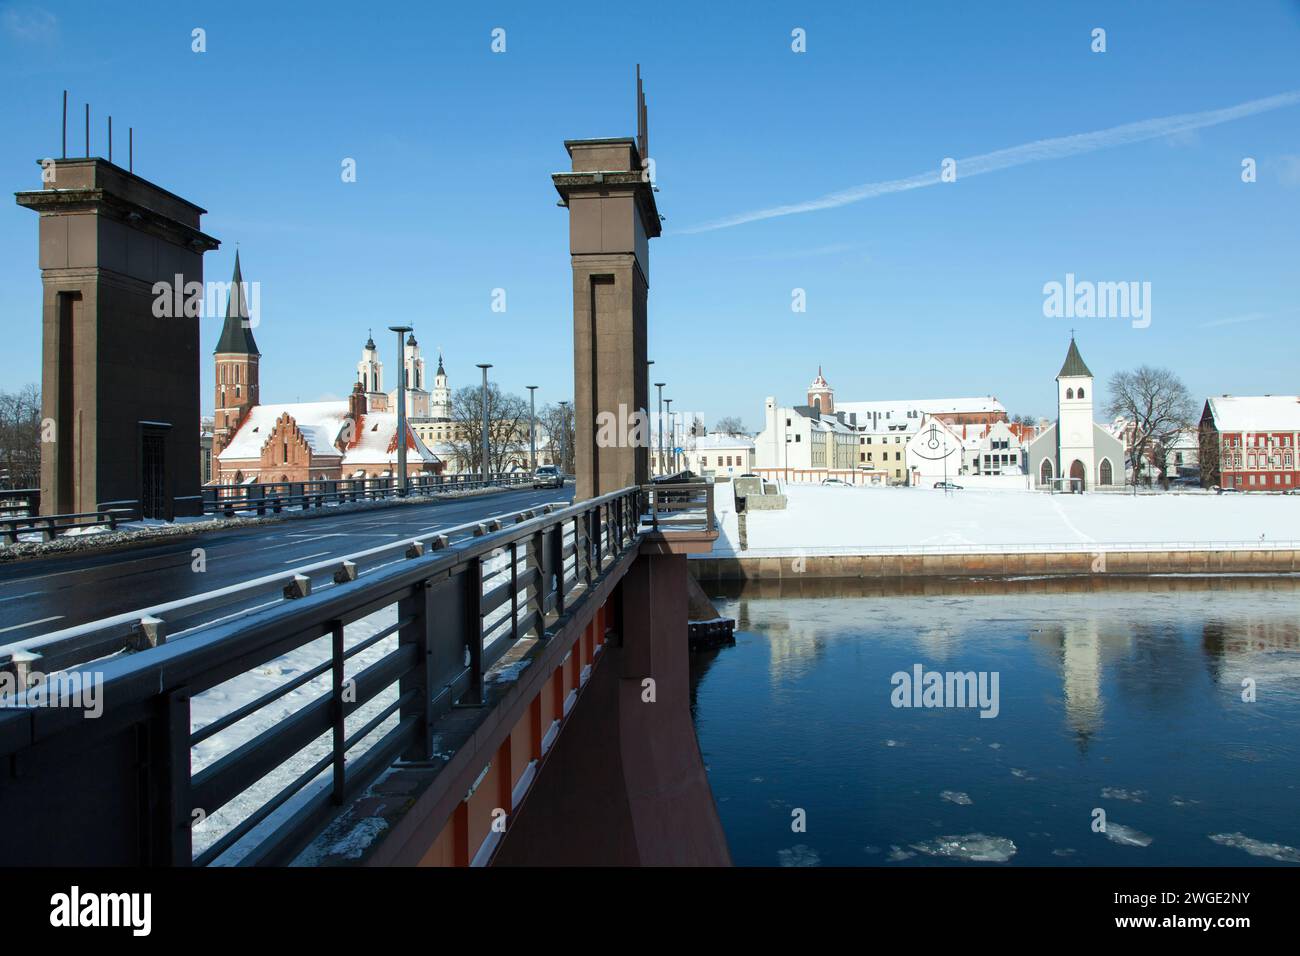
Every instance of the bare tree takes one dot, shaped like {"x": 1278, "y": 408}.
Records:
{"x": 730, "y": 425}
{"x": 20, "y": 438}
{"x": 1157, "y": 407}
{"x": 507, "y": 428}
{"x": 557, "y": 424}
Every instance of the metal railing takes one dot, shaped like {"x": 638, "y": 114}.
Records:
{"x": 275, "y": 496}
{"x": 108, "y": 515}
{"x": 679, "y": 505}
{"x": 239, "y": 742}
{"x": 151, "y": 626}
{"x": 20, "y": 502}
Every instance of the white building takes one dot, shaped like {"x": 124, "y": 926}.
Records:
{"x": 807, "y": 442}
{"x": 996, "y": 450}
{"x": 1074, "y": 447}
{"x": 718, "y": 455}
{"x": 934, "y": 452}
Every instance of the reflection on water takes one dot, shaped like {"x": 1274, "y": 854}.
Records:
{"x": 1122, "y": 695}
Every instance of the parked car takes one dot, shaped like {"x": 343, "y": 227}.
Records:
{"x": 1218, "y": 490}
{"x": 548, "y": 476}
{"x": 834, "y": 481}
{"x": 947, "y": 486}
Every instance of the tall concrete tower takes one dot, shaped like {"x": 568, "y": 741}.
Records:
{"x": 612, "y": 217}
{"x": 237, "y": 358}
{"x": 122, "y": 267}
{"x": 1076, "y": 448}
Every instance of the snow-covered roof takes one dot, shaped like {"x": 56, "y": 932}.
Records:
{"x": 898, "y": 409}
{"x": 319, "y": 422}
{"x": 322, "y": 424}
{"x": 709, "y": 442}
{"x": 376, "y": 441}
{"x": 1234, "y": 413}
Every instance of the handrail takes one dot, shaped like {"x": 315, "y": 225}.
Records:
{"x": 155, "y": 624}
{"x": 452, "y": 625}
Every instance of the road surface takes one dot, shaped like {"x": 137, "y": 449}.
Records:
{"x": 43, "y": 595}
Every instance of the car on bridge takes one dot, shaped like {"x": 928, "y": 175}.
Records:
{"x": 548, "y": 476}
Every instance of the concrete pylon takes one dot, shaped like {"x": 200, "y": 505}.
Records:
{"x": 122, "y": 266}
{"x": 612, "y": 217}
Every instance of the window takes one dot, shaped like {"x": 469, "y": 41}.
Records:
{"x": 1081, "y": 393}
{"x": 1069, "y": 393}
{"x": 798, "y": 438}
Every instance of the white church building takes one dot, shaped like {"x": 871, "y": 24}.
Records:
{"x": 1074, "y": 453}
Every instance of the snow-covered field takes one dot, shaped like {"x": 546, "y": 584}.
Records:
{"x": 848, "y": 519}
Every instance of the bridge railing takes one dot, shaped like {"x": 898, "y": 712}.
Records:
{"x": 107, "y": 515}
{"x": 679, "y": 506}
{"x": 238, "y": 743}
{"x": 20, "y": 502}
{"x": 151, "y": 626}
{"x": 274, "y": 496}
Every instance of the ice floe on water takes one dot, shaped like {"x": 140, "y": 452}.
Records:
{"x": 1064, "y": 851}
{"x": 957, "y": 797}
{"x": 1126, "y": 836}
{"x": 974, "y": 847}
{"x": 995, "y": 746}
{"x": 1178, "y": 801}
{"x": 1119, "y": 793}
{"x": 1270, "y": 851}
{"x": 1022, "y": 774}
{"x": 897, "y": 853}
{"x": 799, "y": 855}
{"x": 893, "y": 743}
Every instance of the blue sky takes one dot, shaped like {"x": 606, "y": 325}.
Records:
{"x": 928, "y": 292}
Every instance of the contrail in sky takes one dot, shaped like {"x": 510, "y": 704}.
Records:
{"x": 1058, "y": 147}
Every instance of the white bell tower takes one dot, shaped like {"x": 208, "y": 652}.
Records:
{"x": 1074, "y": 423}
{"x": 370, "y": 373}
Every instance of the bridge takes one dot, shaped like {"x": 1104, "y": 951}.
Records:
{"x": 511, "y": 689}
{"x": 413, "y": 716}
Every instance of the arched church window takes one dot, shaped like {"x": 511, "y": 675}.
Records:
{"x": 1106, "y": 474}
{"x": 1081, "y": 393}
{"x": 1069, "y": 393}
{"x": 1045, "y": 473}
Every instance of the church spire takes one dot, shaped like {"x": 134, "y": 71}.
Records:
{"x": 1074, "y": 366}
{"x": 237, "y": 333}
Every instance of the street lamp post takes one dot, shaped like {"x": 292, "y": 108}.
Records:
{"x": 532, "y": 426}
{"x": 660, "y": 386}
{"x": 648, "y": 363}
{"x": 401, "y": 331}
{"x": 484, "y": 402}
{"x": 670, "y": 455}
{"x": 564, "y": 435}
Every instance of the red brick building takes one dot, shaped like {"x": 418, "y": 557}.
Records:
{"x": 1249, "y": 442}
{"x": 302, "y": 441}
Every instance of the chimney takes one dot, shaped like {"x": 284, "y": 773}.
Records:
{"x": 356, "y": 403}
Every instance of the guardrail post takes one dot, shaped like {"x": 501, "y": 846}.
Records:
{"x": 540, "y": 562}
{"x": 338, "y": 712}
{"x": 474, "y": 631}
{"x": 418, "y": 609}
{"x": 166, "y": 812}
{"x": 557, "y": 558}
{"x": 514, "y": 590}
